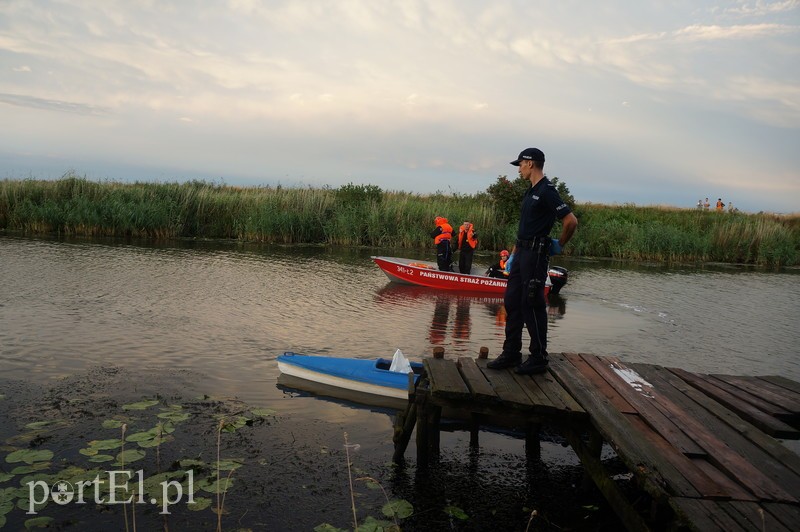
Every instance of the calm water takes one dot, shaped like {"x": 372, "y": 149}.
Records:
{"x": 224, "y": 312}
{"x": 227, "y": 310}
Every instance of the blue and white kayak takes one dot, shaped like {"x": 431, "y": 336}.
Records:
{"x": 369, "y": 376}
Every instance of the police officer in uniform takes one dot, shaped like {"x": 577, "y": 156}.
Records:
{"x": 524, "y": 297}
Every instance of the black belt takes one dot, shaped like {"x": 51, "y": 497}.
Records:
{"x": 530, "y": 244}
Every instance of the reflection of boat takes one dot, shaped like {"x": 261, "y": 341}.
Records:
{"x": 422, "y": 273}
{"x": 368, "y": 377}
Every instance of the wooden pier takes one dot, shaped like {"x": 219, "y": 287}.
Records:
{"x": 703, "y": 447}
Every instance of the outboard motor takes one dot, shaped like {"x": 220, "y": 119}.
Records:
{"x": 558, "y": 278}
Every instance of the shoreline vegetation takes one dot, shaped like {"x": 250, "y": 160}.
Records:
{"x": 365, "y": 215}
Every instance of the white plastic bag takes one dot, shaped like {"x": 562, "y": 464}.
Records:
{"x": 400, "y": 363}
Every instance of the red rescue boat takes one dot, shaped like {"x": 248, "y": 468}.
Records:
{"x": 422, "y": 273}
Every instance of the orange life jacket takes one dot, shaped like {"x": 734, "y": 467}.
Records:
{"x": 473, "y": 242}
{"x": 447, "y": 230}
{"x": 502, "y": 264}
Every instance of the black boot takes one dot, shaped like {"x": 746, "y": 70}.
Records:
{"x": 505, "y": 360}
{"x": 532, "y": 365}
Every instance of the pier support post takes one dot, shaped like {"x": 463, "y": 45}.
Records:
{"x": 438, "y": 352}
{"x": 533, "y": 447}
{"x": 483, "y": 353}
{"x": 594, "y": 448}
{"x": 422, "y": 425}
{"x": 474, "y": 429}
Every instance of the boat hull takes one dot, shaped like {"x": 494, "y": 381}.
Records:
{"x": 365, "y": 376}
{"x": 422, "y": 273}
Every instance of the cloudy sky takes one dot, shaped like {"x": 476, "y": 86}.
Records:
{"x": 645, "y": 102}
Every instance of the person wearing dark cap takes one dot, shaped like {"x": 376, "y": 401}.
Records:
{"x": 524, "y": 298}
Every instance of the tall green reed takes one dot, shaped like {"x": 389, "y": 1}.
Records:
{"x": 367, "y": 216}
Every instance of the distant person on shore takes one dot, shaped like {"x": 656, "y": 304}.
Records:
{"x": 524, "y": 298}
{"x": 720, "y": 205}
{"x": 730, "y": 207}
{"x": 441, "y": 238}
{"x": 699, "y": 204}
{"x": 706, "y": 204}
{"x": 498, "y": 270}
{"x": 467, "y": 242}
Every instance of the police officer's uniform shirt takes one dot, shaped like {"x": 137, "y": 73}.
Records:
{"x": 541, "y": 205}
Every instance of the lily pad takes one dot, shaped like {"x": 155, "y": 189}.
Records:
{"x": 6, "y": 476}
{"x": 105, "y": 445}
{"x": 200, "y": 503}
{"x": 155, "y": 442}
{"x": 112, "y": 424}
{"x": 229, "y": 464}
{"x": 36, "y": 425}
{"x": 455, "y": 511}
{"x": 399, "y": 508}
{"x": 129, "y": 455}
{"x": 142, "y": 436}
{"x": 191, "y": 463}
{"x": 141, "y": 405}
{"x": 88, "y": 451}
{"x": 28, "y": 469}
{"x": 99, "y": 458}
{"x": 38, "y": 522}
{"x": 29, "y": 456}
{"x": 175, "y": 417}
{"x": 212, "y": 485}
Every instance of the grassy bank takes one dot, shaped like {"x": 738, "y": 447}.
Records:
{"x": 358, "y": 215}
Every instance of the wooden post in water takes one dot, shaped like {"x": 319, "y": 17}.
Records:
{"x": 533, "y": 447}
{"x": 483, "y": 353}
{"x": 438, "y": 352}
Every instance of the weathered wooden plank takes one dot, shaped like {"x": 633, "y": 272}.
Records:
{"x": 783, "y": 382}
{"x": 599, "y": 382}
{"x": 765, "y": 422}
{"x": 553, "y": 389}
{"x": 704, "y": 516}
{"x": 445, "y": 379}
{"x": 736, "y": 491}
{"x": 476, "y": 382}
{"x": 538, "y": 398}
{"x": 755, "y": 515}
{"x": 773, "y": 459}
{"x": 660, "y": 422}
{"x": 787, "y": 514}
{"x": 744, "y": 394}
{"x": 504, "y": 385}
{"x": 775, "y": 395}
{"x": 705, "y": 486}
{"x": 657, "y": 474}
{"x": 721, "y": 455}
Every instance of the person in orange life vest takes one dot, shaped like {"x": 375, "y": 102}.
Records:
{"x": 499, "y": 270}
{"x": 467, "y": 242}
{"x": 441, "y": 238}
{"x": 720, "y": 205}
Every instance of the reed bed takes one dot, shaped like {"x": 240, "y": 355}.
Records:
{"x": 366, "y": 216}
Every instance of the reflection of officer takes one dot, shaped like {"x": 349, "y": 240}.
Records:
{"x": 556, "y": 308}
{"x": 524, "y": 298}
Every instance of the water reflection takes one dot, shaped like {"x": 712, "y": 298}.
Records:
{"x": 451, "y": 320}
